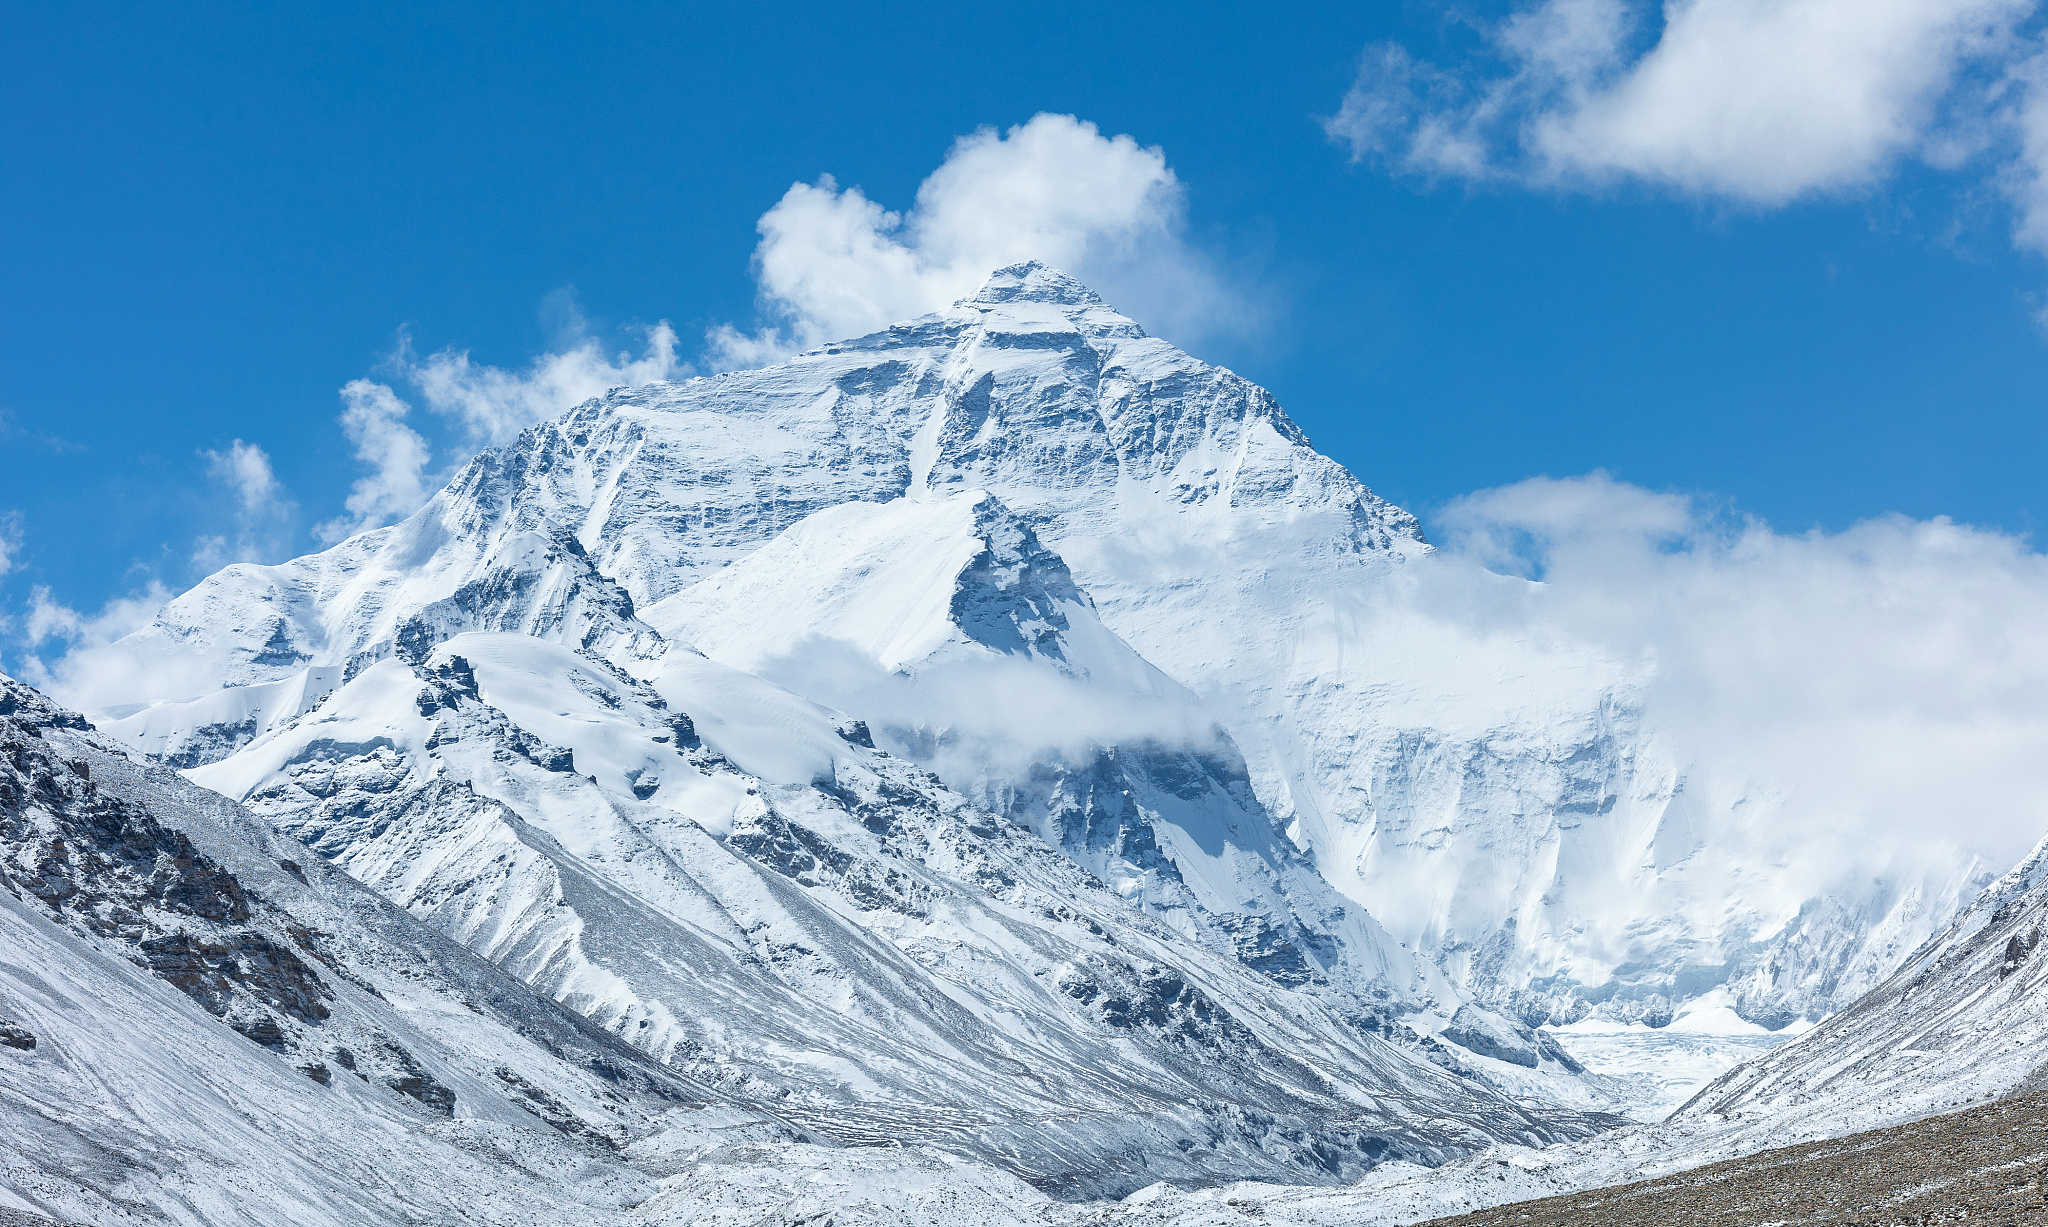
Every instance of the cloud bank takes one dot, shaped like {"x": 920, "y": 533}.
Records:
{"x": 1885, "y": 679}
{"x": 1760, "y": 102}
{"x": 834, "y": 264}
{"x": 95, "y": 668}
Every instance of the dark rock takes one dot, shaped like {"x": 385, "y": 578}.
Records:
{"x": 1474, "y": 1032}
{"x": 264, "y": 1031}
{"x": 415, "y": 1081}
{"x": 2017, "y": 949}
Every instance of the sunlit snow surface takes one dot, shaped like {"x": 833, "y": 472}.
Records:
{"x": 1655, "y": 1069}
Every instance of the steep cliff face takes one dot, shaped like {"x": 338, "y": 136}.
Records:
{"x": 1111, "y": 593}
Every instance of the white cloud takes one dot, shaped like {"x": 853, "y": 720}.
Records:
{"x": 976, "y": 718}
{"x": 493, "y": 405}
{"x": 49, "y": 619}
{"x": 245, "y": 469}
{"x": 95, "y": 668}
{"x": 1756, "y": 101}
{"x": 10, "y": 540}
{"x": 1885, "y": 678}
{"x": 833, "y": 264}
{"x": 489, "y": 405}
{"x": 374, "y": 420}
{"x": 262, "y": 512}
{"x": 2025, "y": 178}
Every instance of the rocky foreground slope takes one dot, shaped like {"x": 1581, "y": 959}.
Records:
{"x": 200, "y": 1016}
{"x": 1987, "y": 1164}
{"x": 202, "y": 1021}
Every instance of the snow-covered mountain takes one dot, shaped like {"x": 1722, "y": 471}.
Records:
{"x": 908, "y": 701}
{"x": 1956, "y": 1029}
{"x": 1500, "y": 808}
{"x": 1963, "y": 1020}
{"x": 855, "y": 959}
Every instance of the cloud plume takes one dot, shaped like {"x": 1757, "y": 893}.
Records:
{"x": 262, "y": 512}
{"x": 492, "y": 405}
{"x": 396, "y": 455}
{"x": 486, "y": 405}
{"x": 833, "y": 263}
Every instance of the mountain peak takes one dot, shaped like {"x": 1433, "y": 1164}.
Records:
{"x": 1034, "y": 281}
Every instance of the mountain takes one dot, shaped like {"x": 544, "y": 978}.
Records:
{"x": 1001, "y": 1005}
{"x": 903, "y": 736}
{"x": 1505, "y": 811}
{"x": 1961, "y": 1021}
{"x": 201, "y": 1021}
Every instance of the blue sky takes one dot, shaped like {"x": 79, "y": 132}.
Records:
{"x": 213, "y": 218}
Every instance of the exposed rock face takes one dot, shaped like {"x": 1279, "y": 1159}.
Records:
{"x": 107, "y": 865}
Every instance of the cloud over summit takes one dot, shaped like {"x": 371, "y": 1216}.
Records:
{"x": 833, "y": 263}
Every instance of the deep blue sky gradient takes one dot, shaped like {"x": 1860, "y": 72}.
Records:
{"x": 212, "y": 216}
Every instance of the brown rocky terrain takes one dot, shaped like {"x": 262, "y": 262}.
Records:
{"x": 1983, "y": 1165}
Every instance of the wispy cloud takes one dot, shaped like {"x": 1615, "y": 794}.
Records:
{"x": 1749, "y": 101}
{"x": 492, "y": 405}
{"x": 262, "y": 512}
{"x": 395, "y": 454}
{"x": 833, "y": 263}
{"x": 94, "y": 668}
{"x": 486, "y": 405}
{"x": 13, "y": 432}
{"x": 10, "y": 540}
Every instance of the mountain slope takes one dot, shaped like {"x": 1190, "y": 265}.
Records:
{"x": 725, "y": 875}
{"x": 1921, "y": 1102}
{"x": 1964, "y": 1019}
{"x": 205, "y": 1023}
